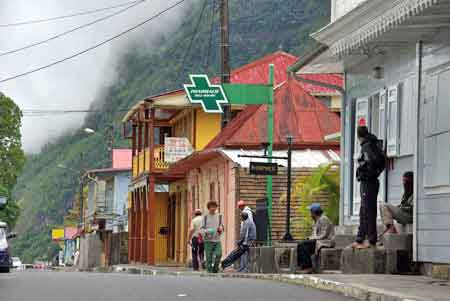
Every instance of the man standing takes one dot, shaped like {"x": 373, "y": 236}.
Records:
{"x": 212, "y": 229}
{"x": 322, "y": 236}
{"x": 195, "y": 240}
{"x": 247, "y": 238}
{"x": 371, "y": 164}
{"x": 402, "y": 213}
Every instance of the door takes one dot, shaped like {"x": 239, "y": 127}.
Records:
{"x": 161, "y": 226}
{"x": 362, "y": 118}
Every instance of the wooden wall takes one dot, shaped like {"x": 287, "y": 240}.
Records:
{"x": 251, "y": 188}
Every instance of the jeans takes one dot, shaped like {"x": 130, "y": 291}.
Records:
{"x": 305, "y": 250}
{"x": 198, "y": 252}
{"x": 243, "y": 264}
{"x": 368, "y": 212}
{"x": 213, "y": 252}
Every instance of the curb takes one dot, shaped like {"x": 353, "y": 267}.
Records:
{"x": 356, "y": 291}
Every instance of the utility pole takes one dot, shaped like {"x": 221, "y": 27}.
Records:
{"x": 225, "y": 54}
{"x": 288, "y": 235}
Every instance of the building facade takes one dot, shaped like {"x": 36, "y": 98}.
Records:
{"x": 396, "y": 55}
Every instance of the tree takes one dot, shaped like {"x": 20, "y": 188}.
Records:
{"x": 12, "y": 157}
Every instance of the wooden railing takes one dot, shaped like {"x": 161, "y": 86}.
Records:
{"x": 141, "y": 162}
{"x": 159, "y": 161}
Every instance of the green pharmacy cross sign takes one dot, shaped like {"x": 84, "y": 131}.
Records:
{"x": 210, "y": 96}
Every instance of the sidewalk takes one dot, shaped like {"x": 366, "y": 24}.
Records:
{"x": 360, "y": 287}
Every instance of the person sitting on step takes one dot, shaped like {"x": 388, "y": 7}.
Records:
{"x": 402, "y": 213}
{"x": 322, "y": 236}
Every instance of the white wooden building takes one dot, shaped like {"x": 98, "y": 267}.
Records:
{"x": 396, "y": 58}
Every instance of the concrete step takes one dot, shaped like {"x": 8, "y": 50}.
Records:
{"x": 342, "y": 241}
{"x": 398, "y": 241}
{"x": 365, "y": 261}
{"x": 353, "y": 229}
{"x": 328, "y": 259}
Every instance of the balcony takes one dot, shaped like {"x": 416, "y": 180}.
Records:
{"x": 141, "y": 162}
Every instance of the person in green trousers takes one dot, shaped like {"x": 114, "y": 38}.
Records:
{"x": 212, "y": 232}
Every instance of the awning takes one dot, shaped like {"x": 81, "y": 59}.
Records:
{"x": 300, "y": 158}
{"x": 369, "y": 21}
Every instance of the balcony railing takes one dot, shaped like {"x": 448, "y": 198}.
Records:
{"x": 159, "y": 159}
{"x": 141, "y": 162}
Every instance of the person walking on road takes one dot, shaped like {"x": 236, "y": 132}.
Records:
{"x": 212, "y": 230}
{"x": 371, "y": 163}
{"x": 195, "y": 240}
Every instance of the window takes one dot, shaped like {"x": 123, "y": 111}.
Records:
{"x": 392, "y": 121}
{"x": 407, "y": 105}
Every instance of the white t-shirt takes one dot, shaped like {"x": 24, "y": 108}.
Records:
{"x": 196, "y": 225}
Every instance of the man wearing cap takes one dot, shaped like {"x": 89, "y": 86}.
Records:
{"x": 244, "y": 208}
{"x": 322, "y": 236}
{"x": 402, "y": 213}
{"x": 195, "y": 239}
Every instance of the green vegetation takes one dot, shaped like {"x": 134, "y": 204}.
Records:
{"x": 12, "y": 157}
{"x": 321, "y": 186}
{"x": 258, "y": 28}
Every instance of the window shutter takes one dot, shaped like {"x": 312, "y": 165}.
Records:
{"x": 393, "y": 121}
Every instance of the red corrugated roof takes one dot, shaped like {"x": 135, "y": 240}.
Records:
{"x": 332, "y": 79}
{"x": 257, "y": 72}
{"x": 296, "y": 113}
{"x": 121, "y": 158}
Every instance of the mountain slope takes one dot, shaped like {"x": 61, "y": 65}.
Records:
{"x": 258, "y": 27}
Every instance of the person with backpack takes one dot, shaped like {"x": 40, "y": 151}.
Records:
{"x": 371, "y": 163}
{"x": 195, "y": 240}
{"x": 213, "y": 229}
{"x": 244, "y": 208}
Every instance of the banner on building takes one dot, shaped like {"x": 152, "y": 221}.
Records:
{"x": 176, "y": 148}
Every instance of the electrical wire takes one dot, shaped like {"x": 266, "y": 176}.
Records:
{"x": 194, "y": 33}
{"x": 94, "y": 46}
{"x": 83, "y": 13}
{"x": 60, "y": 35}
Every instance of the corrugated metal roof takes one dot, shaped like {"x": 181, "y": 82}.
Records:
{"x": 300, "y": 158}
{"x": 296, "y": 114}
{"x": 121, "y": 158}
{"x": 332, "y": 79}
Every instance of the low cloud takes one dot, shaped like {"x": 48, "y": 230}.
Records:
{"x": 76, "y": 83}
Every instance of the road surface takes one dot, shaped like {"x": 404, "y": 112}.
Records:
{"x": 57, "y": 286}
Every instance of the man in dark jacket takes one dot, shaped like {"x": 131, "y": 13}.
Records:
{"x": 370, "y": 165}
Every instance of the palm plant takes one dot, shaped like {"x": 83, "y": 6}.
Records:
{"x": 324, "y": 182}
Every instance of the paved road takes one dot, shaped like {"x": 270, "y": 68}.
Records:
{"x": 57, "y": 286}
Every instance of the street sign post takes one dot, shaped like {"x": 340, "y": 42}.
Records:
{"x": 211, "y": 97}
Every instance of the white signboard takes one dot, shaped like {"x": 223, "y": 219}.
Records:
{"x": 176, "y": 148}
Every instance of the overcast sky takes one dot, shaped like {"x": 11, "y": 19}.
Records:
{"x": 73, "y": 84}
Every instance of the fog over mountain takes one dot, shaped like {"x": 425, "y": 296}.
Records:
{"x": 75, "y": 83}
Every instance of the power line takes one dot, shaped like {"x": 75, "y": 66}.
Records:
{"x": 194, "y": 33}
{"x": 83, "y": 13}
{"x": 135, "y": 3}
{"x": 92, "y": 47}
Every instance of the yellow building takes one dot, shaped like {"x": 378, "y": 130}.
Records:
{"x": 162, "y": 129}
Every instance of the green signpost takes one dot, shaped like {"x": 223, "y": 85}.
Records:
{"x": 211, "y": 96}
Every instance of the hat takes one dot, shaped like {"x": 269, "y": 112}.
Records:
{"x": 315, "y": 208}
{"x": 241, "y": 203}
{"x": 197, "y": 211}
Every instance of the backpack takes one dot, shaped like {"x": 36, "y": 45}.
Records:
{"x": 380, "y": 157}
{"x": 205, "y": 218}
